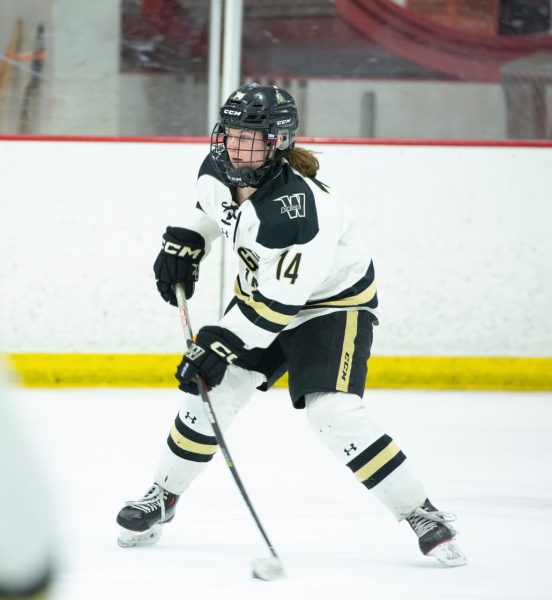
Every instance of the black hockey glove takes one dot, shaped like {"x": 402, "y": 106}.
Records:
{"x": 214, "y": 349}
{"x": 178, "y": 261}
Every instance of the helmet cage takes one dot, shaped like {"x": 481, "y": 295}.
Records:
{"x": 252, "y": 107}
{"x": 244, "y": 176}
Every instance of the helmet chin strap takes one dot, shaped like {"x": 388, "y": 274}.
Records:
{"x": 242, "y": 176}
{"x": 247, "y": 177}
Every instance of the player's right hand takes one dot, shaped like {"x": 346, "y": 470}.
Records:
{"x": 208, "y": 357}
{"x": 178, "y": 261}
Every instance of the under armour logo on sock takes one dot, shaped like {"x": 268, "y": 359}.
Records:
{"x": 350, "y": 449}
{"x": 189, "y": 416}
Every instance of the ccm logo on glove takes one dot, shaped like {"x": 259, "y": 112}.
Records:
{"x": 223, "y": 351}
{"x": 177, "y": 249}
{"x": 178, "y": 261}
{"x": 214, "y": 349}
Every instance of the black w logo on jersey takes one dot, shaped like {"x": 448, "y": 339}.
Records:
{"x": 293, "y": 205}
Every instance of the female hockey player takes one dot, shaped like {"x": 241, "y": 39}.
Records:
{"x": 305, "y": 302}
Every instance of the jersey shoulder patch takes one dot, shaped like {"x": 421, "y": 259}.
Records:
{"x": 286, "y": 210}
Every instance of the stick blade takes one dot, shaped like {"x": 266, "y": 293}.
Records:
{"x": 267, "y": 569}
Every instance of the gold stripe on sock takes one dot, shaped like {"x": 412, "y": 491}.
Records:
{"x": 189, "y": 445}
{"x": 377, "y": 462}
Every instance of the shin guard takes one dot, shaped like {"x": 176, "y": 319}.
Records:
{"x": 343, "y": 423}
{"x": 191, "y": 444}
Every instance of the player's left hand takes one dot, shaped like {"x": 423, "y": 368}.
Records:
{"x": 209, "y": 356}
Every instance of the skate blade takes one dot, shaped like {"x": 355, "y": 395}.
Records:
{"x": 132, "y": 539}
{"x": 448, "y": 554}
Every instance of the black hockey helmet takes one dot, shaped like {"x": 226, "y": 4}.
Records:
{"x": 266, "y": 109}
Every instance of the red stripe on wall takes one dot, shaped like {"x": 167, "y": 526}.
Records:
{"x": 302, "y": 140}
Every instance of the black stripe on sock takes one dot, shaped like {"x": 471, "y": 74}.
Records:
{"x": 382, "y": 473}
{"x": 194, "y": 436}
{"x": 371, "y": 452}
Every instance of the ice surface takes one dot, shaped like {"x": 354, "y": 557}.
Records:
{"x": 484, "y": 456}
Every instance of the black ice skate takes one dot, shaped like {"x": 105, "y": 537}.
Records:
{"x": 141, "y": 520}
{"x": 436, "y": 536}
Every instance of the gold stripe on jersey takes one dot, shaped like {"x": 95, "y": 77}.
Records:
{"x": 377, "y": 461}
{"x": 363, "y": 293}
{"x": 346, "y": 362}
{"x": 261, "y": 309}
{"x": 357, "y": 300}
{"x": 189, "y": 444}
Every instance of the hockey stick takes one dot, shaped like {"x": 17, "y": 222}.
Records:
{"x": 263, "y": 568}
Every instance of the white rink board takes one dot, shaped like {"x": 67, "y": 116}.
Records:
{"x": 460, "y": 238}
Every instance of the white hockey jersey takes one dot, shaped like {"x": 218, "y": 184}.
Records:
{"x": 300, "y": 253}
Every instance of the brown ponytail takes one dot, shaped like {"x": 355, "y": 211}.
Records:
{"x": 303, "y": 160}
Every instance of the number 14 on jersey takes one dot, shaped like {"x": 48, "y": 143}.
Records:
{"x": 288, "y": 267}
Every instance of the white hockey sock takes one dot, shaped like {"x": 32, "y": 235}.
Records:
{"x": 343, "y": 423}
{"x": 191, "y": 443}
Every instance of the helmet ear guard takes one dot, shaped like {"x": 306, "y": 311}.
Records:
{"x": 284, "y": 141}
